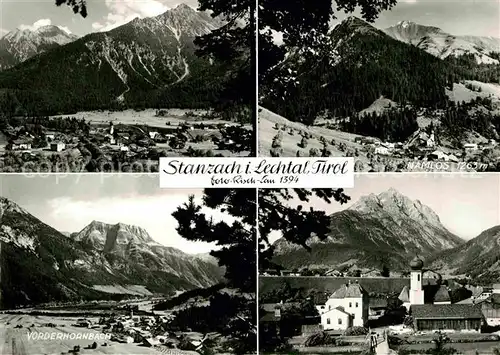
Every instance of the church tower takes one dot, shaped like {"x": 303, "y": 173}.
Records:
{"x": 416, "y": 291}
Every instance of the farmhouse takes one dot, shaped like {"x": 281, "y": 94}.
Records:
{"x": 419, "y": 139}
{"x": 153, "y": 135}
{"x": 438, "y": 155}
{"x": 20, "y": 144}
{"x": 462, "y": 317}
{"x": 470, "y": 146}
{"x": 491, "y": 309}
{"x": 57, "y": 146}
{"x": 50, "y": 135}
{"x": 382, "y": 150}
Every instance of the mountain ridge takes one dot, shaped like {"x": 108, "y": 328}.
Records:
{"x": 19, "y": 45}
{"x": 145, "y": 60}
{"x": 377, "y": 230}
{"x": 40, "y": 264}
{"x": 442, "y": 44}
{"x": 478, "y": 258}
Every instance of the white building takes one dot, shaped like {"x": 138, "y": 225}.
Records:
{"x": 57, "y": 146}
{"x": 496, "y": 288}
{"x": 470, "y": 146}
{"x": 50, "y": 136}
{"x": 351, "y": 299}
{"x": 382, "y": 150}
{"x": 431, "y": 142}
{"x": 485, "y": 293}
{"x": 440, "y": 155}
{"x": 336, "y": 319}
{"x": 153, "y": 135}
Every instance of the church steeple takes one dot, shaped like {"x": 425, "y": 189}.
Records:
{"x": 416, "y": 291}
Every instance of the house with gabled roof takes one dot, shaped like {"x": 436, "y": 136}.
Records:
{"x": 352, "y": 299}
{"x": 491, "y": 309}
{"x": 442, "y": 295}
{"x": 336, "y": 319}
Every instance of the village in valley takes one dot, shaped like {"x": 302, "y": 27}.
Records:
{"x": 386, "y": 275}
{"x": 107, "y": 142}
{"x": 351, "y": 319}
{"x": 423, "y": 150}
{"x": 100, "y": 286}
{"x": 129, "y": 326}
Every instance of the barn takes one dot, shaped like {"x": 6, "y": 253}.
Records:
{"x": 461, "y": 317}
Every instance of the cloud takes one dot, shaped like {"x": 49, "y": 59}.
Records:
{"x": 122, "y": 12}
{"x": 36, "y": 25}
{"x": 41, "y": 23}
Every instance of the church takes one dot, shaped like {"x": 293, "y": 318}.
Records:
{"x": 431, "y": 308}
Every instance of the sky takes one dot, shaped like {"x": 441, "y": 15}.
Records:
{"x": 102, "y": 14}
{"x": 467, "y": 204}
{"x": 457, "y": 17}
{"x": 68, "y": 203}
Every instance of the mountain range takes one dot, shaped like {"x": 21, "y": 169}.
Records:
{"x": 19, "y": 45}
{"x": 385, "y": 229}
{"x": 40, "y": 264}
{"x": 479, "y": 258}
{"x": 442, "y": 45}
{"x": 142, "y": 61}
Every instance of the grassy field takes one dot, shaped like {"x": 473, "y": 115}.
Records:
{"x": 15, "y": 341}
{"x": 146, "y": 117}
{"x": 330, "y": 284}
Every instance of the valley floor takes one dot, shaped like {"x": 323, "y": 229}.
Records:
{"x": 134, "y": 144}
{"x": 15, "y": 341}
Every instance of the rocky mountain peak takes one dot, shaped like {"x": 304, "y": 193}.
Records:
{"x": 184, "y": 8}
{"x": 396, "y": 204}
{"x": 19, "y": 45}
{"x": 10, "y": 206}
{"x": 405, "y": 23}
{"x": 353, "y": 24}
{"x": 107, "y": 236}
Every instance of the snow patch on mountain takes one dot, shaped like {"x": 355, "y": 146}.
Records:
{"x": 19, "y": 45}
{"x": 442, "y": 45}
